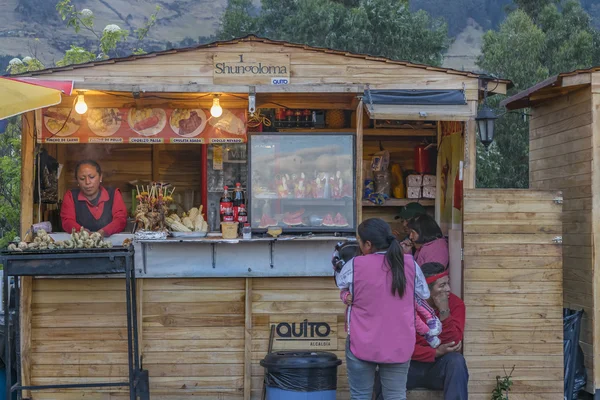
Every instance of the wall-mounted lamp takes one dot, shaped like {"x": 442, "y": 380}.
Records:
{"x": 486, "y": 118}
{"x": 216, "y": 110}
{"x": 80, "y": 107}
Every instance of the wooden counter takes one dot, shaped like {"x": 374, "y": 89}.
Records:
{"x": 202, "y": 337}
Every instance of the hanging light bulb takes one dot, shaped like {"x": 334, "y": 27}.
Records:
{"x": 81, "y": 107}
{"x": 216, "y": 110}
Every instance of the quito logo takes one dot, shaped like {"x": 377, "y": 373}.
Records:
{"x": 301, "y": 331}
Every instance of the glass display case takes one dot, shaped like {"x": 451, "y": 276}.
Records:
{"x": 302, "y": 182}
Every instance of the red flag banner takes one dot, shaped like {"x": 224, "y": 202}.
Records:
{"x": 142, "y": 125}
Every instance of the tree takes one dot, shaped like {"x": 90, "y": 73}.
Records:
{"x": 533, "y": 7}
{"x": 10, "y": 181}
{"x": 380, "y": 27}
{"x": 527, "y": 51}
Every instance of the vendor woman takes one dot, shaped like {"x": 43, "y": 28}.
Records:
{"x": 96, "y": 208}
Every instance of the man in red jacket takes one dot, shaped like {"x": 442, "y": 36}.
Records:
{"x": 443, "y": 368}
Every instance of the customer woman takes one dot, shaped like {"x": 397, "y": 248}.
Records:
{"x": 428, "y": 239}
{"x": 92, "y": 206}
{"x": 379, "y": 287}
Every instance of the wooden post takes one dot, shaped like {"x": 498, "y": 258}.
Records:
{"x": 248, "y": 340}
{"x": 27, "y": 183}
{"x": 596, "y": 222}
{"x": 470, "y": 149}
{"x": 61, "y": 156}
{"x": 155, "y": 163}
{"x": 359, "y": 160}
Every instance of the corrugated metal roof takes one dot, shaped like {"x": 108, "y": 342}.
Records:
{"x": 256, "y": 39}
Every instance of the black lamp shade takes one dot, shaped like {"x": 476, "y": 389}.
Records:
{"x": 485, "y": 123}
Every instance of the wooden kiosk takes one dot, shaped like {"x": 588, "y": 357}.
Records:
{"x": 564, "y": 135}
{"x": 203, "y": 329}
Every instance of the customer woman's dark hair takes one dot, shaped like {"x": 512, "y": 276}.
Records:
{"x": 87, "y": 162}
{"x": 426, "y": 227}
{"x": 379, "y": 233}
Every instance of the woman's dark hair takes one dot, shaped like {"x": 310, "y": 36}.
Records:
{"x": 426, "y": 227}
{"x": 88, "y": 162}
{"x": 379, "y": 233}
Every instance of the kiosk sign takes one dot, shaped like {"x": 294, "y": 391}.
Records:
{"x": 251, "y": 69}
{"x": 305, "y": 332}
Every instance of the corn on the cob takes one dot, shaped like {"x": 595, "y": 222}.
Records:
{"x": 188, "y": 222}
{"x": 198, "y": 222}
{"x": 193, "y": 213}
{"x": 176, "y": 226}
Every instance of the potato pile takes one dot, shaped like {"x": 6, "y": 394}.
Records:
{"x": 192, "y": 221}
{"x": 79, "y": 240}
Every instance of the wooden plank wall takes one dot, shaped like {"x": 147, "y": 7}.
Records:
{"x": 596, "y": 223}
{"x": 513, "y": 292}
{"x": 79, "y": 333}
{"x": 560, "y": 141}
{"x": 192, "y": 334}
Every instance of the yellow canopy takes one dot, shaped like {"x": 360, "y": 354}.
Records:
{"x": 19, "y": 95}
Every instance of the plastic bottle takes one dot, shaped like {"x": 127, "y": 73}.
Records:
{"x": 247, "y": 232}
{"x": 226, "y": 206}
{"x": 238, "y": 200}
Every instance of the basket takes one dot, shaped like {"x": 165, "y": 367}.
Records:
{"x": 229, "y": 230}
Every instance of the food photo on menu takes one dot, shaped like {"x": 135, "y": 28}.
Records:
{"x": 61, "y": 121}
{"x": 147, "y": 121}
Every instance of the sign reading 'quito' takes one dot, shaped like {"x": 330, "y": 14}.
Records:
{"x": 252, "y": 69}
{"x": 304, "y": 332}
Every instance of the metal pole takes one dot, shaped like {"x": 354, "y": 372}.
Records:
{"x": 18, "y": 334}
{"x": 6, "y": 302}
{"x": 129, "y": 333}
{"x": 136, "y": 350}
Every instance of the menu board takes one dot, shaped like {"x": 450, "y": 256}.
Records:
{"x": 150, "y": 125}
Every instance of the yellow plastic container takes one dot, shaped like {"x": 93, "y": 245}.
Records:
{"x": 229, "y": 230}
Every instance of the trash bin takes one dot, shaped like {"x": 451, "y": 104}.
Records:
{"x": 574, "y": 368}
{"x": 301, "y": 375}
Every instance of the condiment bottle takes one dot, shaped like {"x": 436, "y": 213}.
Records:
{"x": 246, "y": 232}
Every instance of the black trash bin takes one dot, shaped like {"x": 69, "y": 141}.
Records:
{"x": 575, "y": 373}
{"x": 301, "y": 375}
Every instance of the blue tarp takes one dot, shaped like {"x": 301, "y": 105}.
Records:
{"x": 415, "y": 97}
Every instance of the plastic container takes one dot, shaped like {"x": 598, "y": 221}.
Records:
{"x": 229, "y": 230}
{"x": 301, "y": 375}
{"x": 247, "y": 232}
{"x": 422, "y": 160}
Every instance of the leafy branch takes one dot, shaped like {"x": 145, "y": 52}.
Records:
{"x": 503, "y": 385}
{"x": 109, "y": 40}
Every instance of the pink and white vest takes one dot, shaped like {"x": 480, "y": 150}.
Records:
{"x": 382, "y": 325}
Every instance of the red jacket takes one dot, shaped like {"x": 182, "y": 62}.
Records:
{"x": 119, "y": 212}
{"x": 453, "y": 329}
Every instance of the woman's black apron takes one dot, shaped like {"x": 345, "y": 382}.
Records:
{"x": 84, "y": 217}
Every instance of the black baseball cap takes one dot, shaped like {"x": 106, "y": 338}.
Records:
{"x": 411, "y": 210}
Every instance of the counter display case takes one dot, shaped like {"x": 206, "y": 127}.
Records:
{"x": 302, "y": 182}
